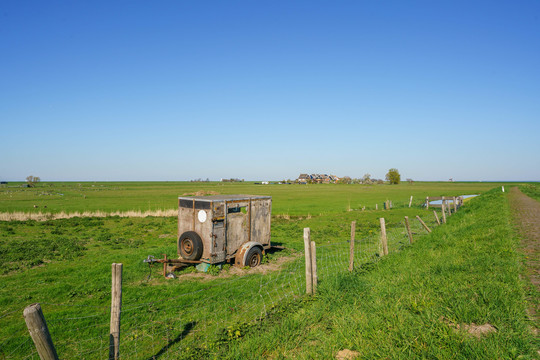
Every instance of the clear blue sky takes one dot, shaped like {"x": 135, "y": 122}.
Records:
{"x": 177, "y": 90}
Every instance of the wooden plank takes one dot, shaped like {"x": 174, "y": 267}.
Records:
{"x": 351, "y": 248}
{"x": 37, "y": 327}
{"x": 307, "y": 250}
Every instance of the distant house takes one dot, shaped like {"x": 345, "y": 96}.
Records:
{"x": 303, "y": 179}
{"x": 317, "y": 179}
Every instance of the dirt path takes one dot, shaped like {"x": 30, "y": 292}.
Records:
{"x": 527, "y": 216}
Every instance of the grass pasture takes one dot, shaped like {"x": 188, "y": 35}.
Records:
{"x": 406, "y": 305}
{"x": 291, "y": 199}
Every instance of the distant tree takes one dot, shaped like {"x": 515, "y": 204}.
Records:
{"x": 366, "y": 179}
{"x": 393, "y": 176}
{"x": 410, "y": 181}
{"x": 32, "y": 180}
{"x": 345, "y": 180}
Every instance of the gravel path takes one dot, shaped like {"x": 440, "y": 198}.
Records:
{"x": 527, "y": 216}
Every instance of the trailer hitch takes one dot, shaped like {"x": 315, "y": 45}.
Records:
{"x": 165, "y": 261}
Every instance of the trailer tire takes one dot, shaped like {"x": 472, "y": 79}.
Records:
{"x": 254, "y": 257}
{"x": 190, "y": 246}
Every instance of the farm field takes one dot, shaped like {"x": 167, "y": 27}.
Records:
{"x": 406, "y": 305}
{"x": 291, "y": 199}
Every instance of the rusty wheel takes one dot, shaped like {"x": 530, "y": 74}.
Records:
{"x": 190, "y": 245}
{"x": 254, "y": 257}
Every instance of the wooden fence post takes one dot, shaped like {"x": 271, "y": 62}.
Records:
{"x": 410, "y": 201}
{"x": 376, "y": 206}
{"x": 427, "y": 202}
{"x": 436, "y": 217}
{"x": 384, "y": 240}
{"x": 443, "y": 202}
{"x": 351, "y": 248}
{"x": 37, "y": 327}
{"x": 116, "y": 310}
{"x": 411, "y": 240}
{"x": 443, "y": 213}
{"x": 454, "y": 201}
{"x": 314, "y": 278}
{"x": 423, "y": 224}
{"x": 307, "y": 250}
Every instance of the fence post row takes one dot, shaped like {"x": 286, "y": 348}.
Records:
{"x": 411, "y": 240}
{"x": 309, "y": 264}
{"x": 384, "y": 240}
{"x": 116, "y": 309}
{"x": 423, "y": 224}
{"x": 351, "y": 248}
{"x": 37, "y": 327}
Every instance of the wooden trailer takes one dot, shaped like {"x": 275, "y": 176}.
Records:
{"x": 215, "y": 229}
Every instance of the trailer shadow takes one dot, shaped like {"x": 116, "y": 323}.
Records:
{"x": 187, "y": 329}
{"x": 275, "y": 248}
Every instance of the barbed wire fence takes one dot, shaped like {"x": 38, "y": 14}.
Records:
{"x": 195, "y": 321}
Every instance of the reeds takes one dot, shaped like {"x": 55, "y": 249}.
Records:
{"x": 41, "y": 216}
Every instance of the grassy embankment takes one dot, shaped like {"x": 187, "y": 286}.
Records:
{"x": 410, "y": 304}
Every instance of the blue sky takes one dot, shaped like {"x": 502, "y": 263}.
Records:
{"x": 177, "y": 90}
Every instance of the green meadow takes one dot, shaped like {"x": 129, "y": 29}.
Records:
{"x": 287, "y": 199}
{"x": 412, "y": 303}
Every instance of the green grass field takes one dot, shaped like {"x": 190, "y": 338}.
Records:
{"x": 287, "y": 199}
{"x": 406, "y": 305}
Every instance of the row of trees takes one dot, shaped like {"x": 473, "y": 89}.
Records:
{"x": 32, "y": 180}
{"x": 393, "y": 177}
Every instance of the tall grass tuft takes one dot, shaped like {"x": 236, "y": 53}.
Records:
{"x": 41, "y": 216}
